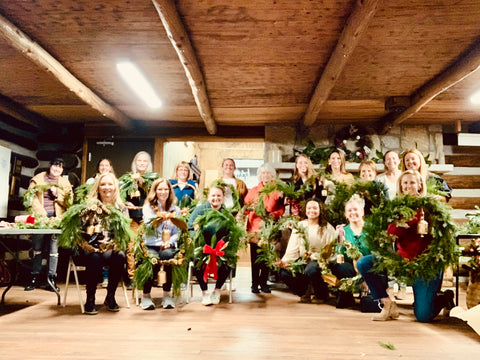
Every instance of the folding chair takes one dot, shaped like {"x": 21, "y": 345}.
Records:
{"x": 191, "y": 280}
{"x": 73, "y": 267}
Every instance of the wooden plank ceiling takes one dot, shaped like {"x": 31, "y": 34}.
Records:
{"x": 219, "y": 64}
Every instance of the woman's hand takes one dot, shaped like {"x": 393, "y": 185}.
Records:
{"x": 129, "y": 205}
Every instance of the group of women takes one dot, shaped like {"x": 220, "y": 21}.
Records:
{"x": 322, "y": 247}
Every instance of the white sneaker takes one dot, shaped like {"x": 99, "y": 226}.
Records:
{"x": 215, "y": 298}
{"x": 105, "y": 283}
{"x": 168, "y": 302}
{"x": 147, "y": 303}
{"x": 206, "y": 299}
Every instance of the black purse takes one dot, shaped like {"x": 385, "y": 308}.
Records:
{"x": 369, "y": 305}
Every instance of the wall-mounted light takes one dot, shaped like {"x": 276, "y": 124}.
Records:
{"x": 475, "y": 98}
{"x": 138, "y": 83}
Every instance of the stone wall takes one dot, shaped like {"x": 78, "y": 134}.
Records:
{"x": 280, "y": 141}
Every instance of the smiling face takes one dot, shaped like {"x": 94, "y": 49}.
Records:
{"x": 367, "y": 173}
{"x": 354, "y": 212}
{"x": 106, "y": 189}
{"x": 409, "y": 185}
{"x": 142, "y": 163}
{"x": 215, "y": 198}
{"x": 182, "y": 173}
{"x": 104, "y": 166}
{"x": 412, "y": 161}
{"x": 391, "y": 161}
{"x": 302, "y": 166}
{"x": 265, "y": 176}
{"x": 228, "y": 168}
{"x": 335, "y": 161}
{"x": 56, "y": 170}
{"x": 312, "y": 210}
{"x": 163, "y": 192}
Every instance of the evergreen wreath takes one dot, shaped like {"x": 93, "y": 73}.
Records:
{"x": 235, "y": 197}
{"x": 355, "y": 143}
{"x": 75, "y": 220}
{"x": 441, "y": 252}
{"x": 81, "y": 193}
{"x": 374, "y": 193}
{"x": 41, "y": 188}
{"x": 129, "y": 185}
{"x": 218, "y": 219}
{"x": 146, "y": 261}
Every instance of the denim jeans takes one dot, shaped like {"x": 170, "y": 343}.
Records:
{"x": 38, "y": 242}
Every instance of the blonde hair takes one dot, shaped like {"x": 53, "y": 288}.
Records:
{"x": 420, "y": 181}
{"x": 368, "y": 163}
{"x": 94, "y": 194}
{"x": 310, "y": 169}
{"x": 266, "y": 167}
{"x": 134, "y": 161}
{"x": 179, "y": 165}
{"x": 423, "y": 165}
{"x": 356, "y": 199}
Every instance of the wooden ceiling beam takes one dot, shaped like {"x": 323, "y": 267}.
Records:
{"x": 21, "y": 113}
{"x": 181, "y": 43}
{"x": 465, "y": 65}
{"x": 356, "y": 25}
{"x": 30, "y": 49}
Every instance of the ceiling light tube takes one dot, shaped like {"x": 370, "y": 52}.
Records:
{"x": 138, "y": 83}
{"x": 475, "y": 98}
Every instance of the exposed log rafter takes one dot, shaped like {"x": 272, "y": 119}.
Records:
{"x": 465, "y": 65}
{"x": 356, "y": 25}
{"x": 30, "y": 49}
{"x": 19, "y": 112}
{"x": 179, "y": 38}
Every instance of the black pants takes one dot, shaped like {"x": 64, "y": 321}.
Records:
{"x": 223, "y": 271}
{"x": 164, "y": 254}
{"x": 95, "y": 262}
{"x": 259, "y": 269}
{"x": 311, "y": 275}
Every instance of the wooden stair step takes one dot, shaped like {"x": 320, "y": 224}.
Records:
{"x": 462, "y": 181}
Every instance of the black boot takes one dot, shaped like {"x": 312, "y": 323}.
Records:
{"x": 51, "y": 280}
{"x": 33, "y": 283}
{"x": 90, "y": 308}
{"x": 111, "y": 304}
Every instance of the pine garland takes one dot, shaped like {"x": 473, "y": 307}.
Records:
{"x": 41, "y": 222}
{"x": 441, "y": 252}
{"x": 81, "y": 193}
{"x": 75, "y": 220}
{"x": 128, "y": 184}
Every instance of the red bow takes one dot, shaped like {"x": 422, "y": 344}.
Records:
{"x": 211, "y": 267}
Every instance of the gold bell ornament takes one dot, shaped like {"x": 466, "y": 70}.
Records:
{"x": 166, "y": 233}
{"x": 422, "y": 226}
{"x": 162, "y": 277}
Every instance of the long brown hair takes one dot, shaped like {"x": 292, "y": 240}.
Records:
{"x": 153, "y": 199}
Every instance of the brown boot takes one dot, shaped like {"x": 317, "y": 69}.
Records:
{"x": 389, "y": 311}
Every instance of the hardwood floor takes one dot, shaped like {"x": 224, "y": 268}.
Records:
{"x": 253, "y": 327}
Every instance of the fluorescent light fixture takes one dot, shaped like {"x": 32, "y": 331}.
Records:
{"x": 138, "y": 83}
{"x": 475, "y": 98}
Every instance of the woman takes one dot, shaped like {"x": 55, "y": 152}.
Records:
{"x": 163, "y": 242}
{"x": 390, "y": 177}
{"x": 274, "y": 207}
{"x": 336, "y": 167}
{"x": 103, "y": 166}
{"x": 318, "y": 237}
{"x": 185, "y": 188}
{"x": 228, "y": 177}
{"x": 348, "y": 236}
{"x": 303, "y": 173}
{"x": 141, "y": 165}
{"x": 409, "y": 244}
{"x": 367, "y": 170}
{"x": 100, "y": 246}
{"x": 210, "y": 232}
{"x": 413, "y": 160}
{"x": 49, "y": 202}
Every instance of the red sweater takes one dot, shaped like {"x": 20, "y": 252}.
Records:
{"x": 273, "y": 204}
{"x": 409, "y": 243}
